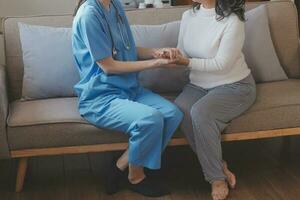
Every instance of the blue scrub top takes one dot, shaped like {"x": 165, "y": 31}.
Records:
{"x": 92, "y": 42}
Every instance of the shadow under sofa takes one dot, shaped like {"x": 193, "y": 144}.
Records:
{"x": 54, "y": 126}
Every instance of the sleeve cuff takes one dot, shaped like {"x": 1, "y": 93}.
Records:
{"x": 190, "y": 66}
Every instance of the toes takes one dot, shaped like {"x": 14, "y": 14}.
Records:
{"x": 231, "y": 180}
{"x": 219, "y": 197}
{"x": 219, "y": 190}
{"x": 230, "y": 177}
{"x": 214, "y": 197}
{"x": 232, "y": 183}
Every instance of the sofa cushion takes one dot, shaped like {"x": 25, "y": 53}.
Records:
{"x": 284, "y": 32}
{"x": 163, "y": 80}
{"x": 57, "y": 78}
{"x": 49, "y": 66}
{"x": 56, "y": 122}
{"x": 60, "y": 134}
{"x": 259, "y": 50}
{"x": 283, "y": 26}
{"x": 1, "y": 26}
{"x": 53, "y": 123}
{"x": 40, "y": 80}
{"x": 47, "y": 111}
{"x": 159, "y": 36}
{"x": 277, "y": 106}
{"x": 156, "y": 36}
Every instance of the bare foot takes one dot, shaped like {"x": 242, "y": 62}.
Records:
{"x": 230, "y": 177}
{"x": 219, "y": 190}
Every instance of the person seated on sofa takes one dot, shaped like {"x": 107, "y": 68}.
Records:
{"x": 221, "y": 86}
{"x": 111, "y": 97}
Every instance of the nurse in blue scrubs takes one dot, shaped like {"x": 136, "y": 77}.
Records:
{"x": 111, "y": 97}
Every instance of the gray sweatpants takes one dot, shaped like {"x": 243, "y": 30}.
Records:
{"x": 207, "y": 113}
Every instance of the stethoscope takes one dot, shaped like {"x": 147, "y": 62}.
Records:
{"x": 121, "y": 27}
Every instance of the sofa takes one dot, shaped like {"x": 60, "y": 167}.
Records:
{"x": 54, "y": 126}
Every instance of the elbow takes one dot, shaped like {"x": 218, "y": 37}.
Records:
{"x": 106, "y": 68}
{"x": 223, "y": 66}
{"x": 110, "y": 70}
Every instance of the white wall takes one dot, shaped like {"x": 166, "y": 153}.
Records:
{"x": 32, "y": 7}
{"x": 36, "y": 7}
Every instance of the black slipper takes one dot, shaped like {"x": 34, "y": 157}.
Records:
{"x": 113, "y": 178}
{"x": 149, "y": 188}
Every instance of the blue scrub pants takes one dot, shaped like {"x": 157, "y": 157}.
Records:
{"x": 148, "y": 119}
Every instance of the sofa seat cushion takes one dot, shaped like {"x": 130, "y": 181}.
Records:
{"x": 47, "y": 111}
{"x": 52, "y": 123}
{"x": 277, "y": 106}
{"x": 56, "y": 122}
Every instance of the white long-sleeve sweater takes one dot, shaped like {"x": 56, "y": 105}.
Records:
{"x": 214, "y": 48}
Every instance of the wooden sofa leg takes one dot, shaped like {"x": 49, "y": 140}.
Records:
{"x": 22, "y": 168}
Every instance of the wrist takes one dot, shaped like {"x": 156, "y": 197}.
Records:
{"x": 152, "y": 52}
{"x": 153, "y": 63}
{"x": 185, "y": 61}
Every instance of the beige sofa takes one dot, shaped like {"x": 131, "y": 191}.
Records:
{"x": 54, "y": 126}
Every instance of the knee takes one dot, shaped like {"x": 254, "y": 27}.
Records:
{"x": 181, "y": 105}
{"x": 200, "y": 114}
{"x": 157, "y": 118}
{"x": 153, "y": 120}
{"x": 177, "y": 114}
{"x": 205, "y": 120}
{"x": 173, "y": 112}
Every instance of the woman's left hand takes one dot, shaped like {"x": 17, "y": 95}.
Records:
{"x": 173, "y": 54}
{"x": 182, "y": 60}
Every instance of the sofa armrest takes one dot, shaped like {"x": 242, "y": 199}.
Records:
{"x": 4, "y": 150}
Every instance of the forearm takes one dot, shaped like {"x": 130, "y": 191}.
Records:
{"x": 206, "y": 65}
{"x": 218, "y": 63}
{"x": 118, "y": 67}
{"x": 145, "y": 53}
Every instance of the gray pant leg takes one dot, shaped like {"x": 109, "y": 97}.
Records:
{"x": 211, "y": 114}
{"x": 189, "y": 96}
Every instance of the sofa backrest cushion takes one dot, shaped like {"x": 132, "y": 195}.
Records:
{"x": 161, "y": 80}
{"x": 13, "y": 50}
{"x": 259, "y": 50}
{"x": 282, "y": 18}
{"x": 49, "y": 66}
{"x": 283, "y": 22}
{"x": 156, "y": 36}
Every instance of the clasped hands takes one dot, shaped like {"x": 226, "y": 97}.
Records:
{"x": 170, "y": 57}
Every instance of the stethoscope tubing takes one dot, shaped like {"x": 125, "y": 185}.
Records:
{"x": 121, "y": 26}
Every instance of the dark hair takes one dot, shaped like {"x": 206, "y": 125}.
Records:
{"x": 80, "y": 2}
{"x": 224, "y": 8}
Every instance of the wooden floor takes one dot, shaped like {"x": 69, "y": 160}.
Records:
{"x": 265, "y": 170}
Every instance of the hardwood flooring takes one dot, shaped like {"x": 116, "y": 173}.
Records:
{"x": 266, "y": 170}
